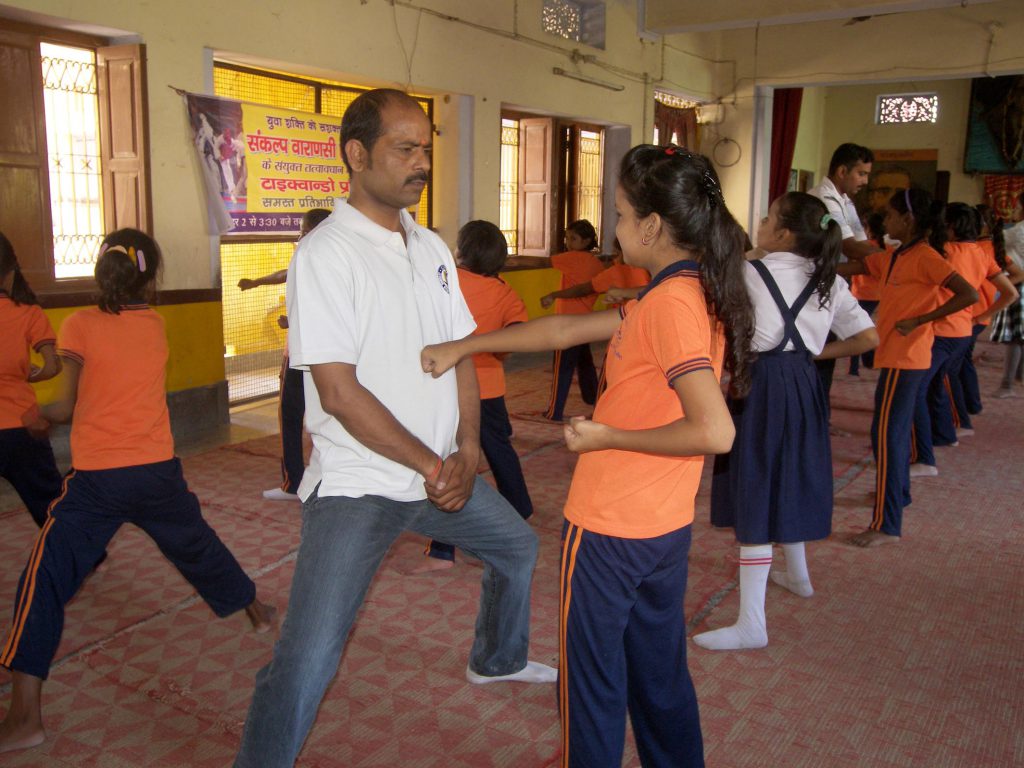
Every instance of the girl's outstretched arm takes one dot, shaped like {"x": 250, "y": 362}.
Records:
{"x": 61, "y": 410}
{"x": 706, "y": 426}
{"x": 51, "y": 364}
{"x": 556, "y": 332}
{"x": 1008, "y": 294}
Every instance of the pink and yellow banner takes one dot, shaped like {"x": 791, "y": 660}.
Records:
{"x": 264, "y": 167}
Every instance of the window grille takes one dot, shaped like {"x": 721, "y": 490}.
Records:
{"x": 71, "y": 107}
{"x": 907, "y": 108}
{"x": 253, "y": 341}
{"x": 581, "y": 21}
{"x": 508, "y": 201}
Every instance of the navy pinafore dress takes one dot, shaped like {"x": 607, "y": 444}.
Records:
{"x": 776, "y": 483}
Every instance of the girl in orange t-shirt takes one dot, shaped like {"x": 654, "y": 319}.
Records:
{"x": 626, "y": 536}
{"x": 911, "y": 278}
{"x": 480, "y": 253}
{"x": 867, "y": 289}
{"x": 578, "y": 264}
{"x": 26, "y": 457}
{"x": 941, "y": 417}
{"x": 123, "y": 471}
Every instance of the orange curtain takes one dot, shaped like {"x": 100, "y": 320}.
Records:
{"x": 681, "y": 122}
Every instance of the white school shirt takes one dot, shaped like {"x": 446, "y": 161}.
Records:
{"x": 842, "y": 209}
{"x": 1013, "y": 239}
{"x": 358, "y": 294}
{"x": 842, "y": 314}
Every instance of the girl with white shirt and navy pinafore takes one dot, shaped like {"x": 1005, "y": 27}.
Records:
{"x": 775, "y": 486}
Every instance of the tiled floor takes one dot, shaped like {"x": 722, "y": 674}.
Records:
{"x": 908, "y": 655}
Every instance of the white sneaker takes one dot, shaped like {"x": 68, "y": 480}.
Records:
{"x": 923, "y": 470}
{"x": 277, "y": 494}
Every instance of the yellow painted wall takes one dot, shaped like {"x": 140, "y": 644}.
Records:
{"x": 195, "y": 341}
{"x": 850, "y": 113}
{"x": 531, "y": 284}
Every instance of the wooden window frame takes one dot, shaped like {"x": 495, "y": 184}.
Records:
{"x": 124, "y": 142}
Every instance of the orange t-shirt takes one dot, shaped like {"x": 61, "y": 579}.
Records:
{"x": 911, "y": 280}
{"x": 987, "y": 291}
{"x": 973, "y": 265}
{"x": 665, "y": 334}
{"x": 620, "y": 275}
{"x": 493, "y": 305}
{"x": 120, "y": 415}
{"x": 576, "y": 267}
{"x": 24, "y": 326}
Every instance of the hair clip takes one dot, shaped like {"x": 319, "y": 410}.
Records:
{"x": 825, "y": 220}
{"x": 670, "y": 150}
{"x": 906, "y": 199}
{"x": 711, "y": 188}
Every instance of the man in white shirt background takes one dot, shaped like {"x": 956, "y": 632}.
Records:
{"x": 848, "y": 173}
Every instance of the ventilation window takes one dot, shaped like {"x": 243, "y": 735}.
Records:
{"x": 907, "y": 108}
{"x": 581, "y": 21}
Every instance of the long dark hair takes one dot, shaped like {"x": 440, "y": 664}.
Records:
{"x": 126, "y": 270}
{"x": 929, "y": 218}
{"x": 683, "y": 189}
{"x": 818, "y": 238}
{"x": 21, "y": 293}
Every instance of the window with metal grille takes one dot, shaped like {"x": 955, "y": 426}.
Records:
{"x": 73, "y": 152}
{"x": 588, "y": 190}
{"x": 253, "y": 339}
{"x": 907, "y": 108}
{"x": 508, "y": 196}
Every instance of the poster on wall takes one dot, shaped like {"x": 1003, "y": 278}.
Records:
{"x": 896, "y": 169}
{"x": 263, "y": 167}
{"x": 995, "y": 126}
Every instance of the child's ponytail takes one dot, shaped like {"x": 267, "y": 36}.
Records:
{"x": 818, "y": 236}
{"x": 126, "y": 269}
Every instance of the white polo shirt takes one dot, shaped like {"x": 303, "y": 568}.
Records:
{"x": 359, "y": 294}
{"x": 842, "y": 314}
{"x": 842, "y": 209}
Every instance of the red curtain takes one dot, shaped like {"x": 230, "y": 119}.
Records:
{"x": 1002, "y": 192}
{"x": 681, "y": 122}
{"x": 785, "y": 120}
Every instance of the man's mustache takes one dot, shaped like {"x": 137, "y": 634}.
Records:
{"x": 417, "y": 177}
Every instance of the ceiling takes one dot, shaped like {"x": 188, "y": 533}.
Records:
{"x": 675, "y": 16}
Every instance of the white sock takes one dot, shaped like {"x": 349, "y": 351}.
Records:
{"x": 533, "y": 672}
{"x": 749, "y": 631}
{"x": 795, "y": 579}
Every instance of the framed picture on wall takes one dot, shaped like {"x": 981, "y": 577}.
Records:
{"x": 800, "y": 180}
{"x": 896, "y": 169}
{"x": 995, "y": 126}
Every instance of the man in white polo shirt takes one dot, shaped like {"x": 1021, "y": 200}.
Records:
{"x": 848, "y": 173}
{"x": 393, "y": 448}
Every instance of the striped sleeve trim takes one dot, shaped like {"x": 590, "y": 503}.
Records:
{"x": 42, "y": 343}
{"x": 696, "y": 364}
{"x": 71, "y": 356}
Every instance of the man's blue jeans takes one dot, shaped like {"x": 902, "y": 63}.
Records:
{"x": 344, "y": 541}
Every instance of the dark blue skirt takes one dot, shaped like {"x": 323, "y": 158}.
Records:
{"x": 776, "y": 483}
